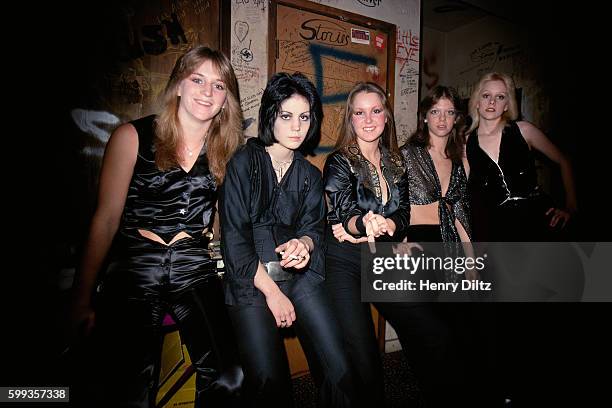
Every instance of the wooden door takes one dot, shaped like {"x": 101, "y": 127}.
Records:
{"x": 335, "y": 49}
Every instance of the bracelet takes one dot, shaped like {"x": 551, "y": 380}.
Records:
{"x": 359, "y": 225}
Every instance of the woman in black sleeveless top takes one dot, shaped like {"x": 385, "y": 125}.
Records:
{"x": 157, "y": 197}
{"x": 503, "y": 182}
{"x": 508, "y": 206}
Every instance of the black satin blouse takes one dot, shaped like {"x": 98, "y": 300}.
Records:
{"x": 258, "y": 214}
{"x": 167, "y": 202}
{"x": 353, "y": 188}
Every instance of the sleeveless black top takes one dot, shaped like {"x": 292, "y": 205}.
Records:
{"x": 513, "y": 177}
{"x": 168, "y": 202}
{"x": 507, "y": 203}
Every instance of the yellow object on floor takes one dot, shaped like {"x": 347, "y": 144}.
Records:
{"x": 176, "y": 375}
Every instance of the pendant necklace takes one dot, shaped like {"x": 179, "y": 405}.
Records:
{"x": 280, "y": 166}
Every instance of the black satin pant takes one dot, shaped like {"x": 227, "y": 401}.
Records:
{"x": 267, "y": 377}
{"x": 146, "y": 281}
{"x": 343, "y": 285}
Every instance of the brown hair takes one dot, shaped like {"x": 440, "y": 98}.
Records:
{"x": 225, "y": 132}
{"x": 511, "y": 114}
{"x": 456, "y": 140}
{"x": 347, "y": 133}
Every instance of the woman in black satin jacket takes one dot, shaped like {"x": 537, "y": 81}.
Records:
{"x": 367, "y": 191}
{"x": 272, "y": 221}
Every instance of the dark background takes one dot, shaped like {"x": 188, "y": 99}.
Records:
{"x": 60, "y": 48}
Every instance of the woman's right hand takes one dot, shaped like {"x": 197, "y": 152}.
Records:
{"x": 341, "y": 235}
{"x": 83, "y": 319}
{"x": 377, "y": 225}
{"x": 282, "y": 309}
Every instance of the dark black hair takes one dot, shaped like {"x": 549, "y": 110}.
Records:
{"x": 283, "y": 86}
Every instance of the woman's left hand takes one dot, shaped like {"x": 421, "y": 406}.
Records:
{"x": 558, "y": 215}
{"x": 295, "y": 254}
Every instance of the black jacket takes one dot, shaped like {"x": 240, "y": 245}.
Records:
{"x": 258, "y": 214}
{"x": 353, "y": 188}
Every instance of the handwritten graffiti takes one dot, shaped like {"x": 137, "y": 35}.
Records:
{"x": 96, "y": 124}
{"x": 407, "y": 48}
{"x": 241, "y": 29}
{"x": 319, "y": 52}
{"x": 486, "y": 57}
{"x": 255, "y": 3}
{"x": 154, "y": 42}
{"x": 370, "y": 3}
{"x": 324, "y": 31}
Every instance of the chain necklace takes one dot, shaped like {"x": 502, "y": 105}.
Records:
{"x": 280, "y": 166}
{"x": 190, "y": 152}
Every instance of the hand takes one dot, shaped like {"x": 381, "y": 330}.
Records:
{"x": 83, "y": 320}
{"x": 406, "y": 248}
{"x": 294, "y": 253}
{"x": 282, "y": 309}
{"x": 558, "y": 215}
{"x": 341, "y": 235}
{"x": 377, "y": 225}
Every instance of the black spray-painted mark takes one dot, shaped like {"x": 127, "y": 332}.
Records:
{"x": 325, "y": 31}
{"x": 369, "y": 3}
{"x": 246, "y": 54}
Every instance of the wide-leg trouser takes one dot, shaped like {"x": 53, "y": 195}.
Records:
{"x": 267, "y": 377}
{"x": 146, "y": 281}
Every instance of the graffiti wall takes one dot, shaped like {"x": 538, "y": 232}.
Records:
{"x": 250, "y": 19}
{"x": 334, "y": 54}
{"x": 249, "y": 55}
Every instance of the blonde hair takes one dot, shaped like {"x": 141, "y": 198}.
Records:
{"x": 511, "y": 114}
{"x": 225, "y": 132}
{"x": 347, "y": 132}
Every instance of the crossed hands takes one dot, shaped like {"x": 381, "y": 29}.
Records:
{"x": 294, "y": 253}
{"x": 376, "y": 225}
